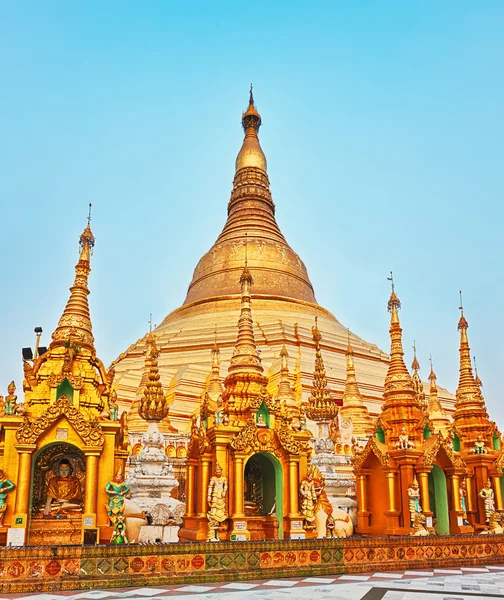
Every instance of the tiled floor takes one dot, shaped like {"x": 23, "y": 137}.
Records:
{"x": 471, "y": 583}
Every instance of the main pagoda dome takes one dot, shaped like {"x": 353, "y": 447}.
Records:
{"x": 284, "y": 303}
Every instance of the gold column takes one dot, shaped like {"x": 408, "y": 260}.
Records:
{"x": 362, "y": 493}
{"x": 469, "y": 485}
{"x": 205, "y": 479}
{"x": 22, "y": 505}
{"x": 91, "y": 491}
{"x": 190, "y": 490}
{"x": 498, "y": 492}
{"x": 456, "y": 492}
{"x": 424, "y": 491}
{"x": 293, "y": 487}
{"x": 238, "y": 487}
{"x": 391, "y": 489}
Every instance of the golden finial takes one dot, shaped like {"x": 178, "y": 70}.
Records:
{"x": 251, "y": 154}
{"x": 153, "y": 405}
{"x": 415, "y": 365}
{"x": 394, "y": 303}
{"x": 321, "y": 407}
{"x": 89, "y": 215}
{"x": 215, "y": 384}
{"x": 75, "y": 322}
{"x": 462, "y": 324}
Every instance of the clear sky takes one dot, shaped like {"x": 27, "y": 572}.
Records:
{"x": 383, "y": 129}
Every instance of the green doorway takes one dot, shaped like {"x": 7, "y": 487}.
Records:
{"x": 438, "y": 496}
{"x": 263, "y": 486}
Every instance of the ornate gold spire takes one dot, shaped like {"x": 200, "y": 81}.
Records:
{"x": 477, "y": 379}
{"x": 470, "y": 416}
{"x": 353, "y": 405}
{"x": 215, "y": 384}
{"x": 400, "y": 408}
{"x": 245, "y": 356}
{"x": 321, "y": 407}
{"x": 417, "y": 380}
{"x": 438, "y": 417}
{"x": 251, "y": 154}
{"x": 153, "y": 405}
{"x": 278, "y": 270}
{"x": 75, "y": 322}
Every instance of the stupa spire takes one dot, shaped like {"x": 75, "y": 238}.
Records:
{"x": 215, "y": 383}
{"x": 75, "y": 322}
{"x": 285, "y": 394}
{"x": 280, "y": 271}
{"x": 153, "y": 405}
{"x": 470, "y": 416}
{"x": 245, "y": 356}
{"x": 321, "y": 407}
{"x": 353, "y": 405}
{"x": 251, "y": 154}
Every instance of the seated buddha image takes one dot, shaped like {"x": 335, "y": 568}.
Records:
{"x": 64, "y": 494}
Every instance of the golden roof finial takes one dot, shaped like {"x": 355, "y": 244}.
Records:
{"x": 153, "y": 405}
{"x": 285, "y": 394}
{"x": 245, "y": 356}
{"x": 321, "y": 407}
{"x": 251, "y": 154}
{"x": 75, "y": 322}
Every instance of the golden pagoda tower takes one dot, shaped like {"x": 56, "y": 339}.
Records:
{"x": 353, "y": 408}
{"x": 404, "y": 457}
{"x": 65, "y": 424}
{"x": 284, "y": 302}
{"x": 285, "y": 395}
{"x": 249, "y": 444}
{"x": 477, "y": 438}
{"x": 437, "y": 416}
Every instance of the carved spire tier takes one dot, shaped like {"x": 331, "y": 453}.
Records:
{"x": 470, "y": 417}
{"x": 153, "y": 405}
{"x": 417, "y": 380}
{"x": 321, "y": 407}
{"x": 278, "y": 270}
{"x": 75, "y": 322}
{"x": 353, "y": 405}
{"x": 285, "y": 394}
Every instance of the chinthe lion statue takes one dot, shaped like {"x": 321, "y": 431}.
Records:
{"x": 494, "y": 524}
{"x": 419, "y": 525}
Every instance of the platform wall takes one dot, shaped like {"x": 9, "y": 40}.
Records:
{"x": 37, "y": 569}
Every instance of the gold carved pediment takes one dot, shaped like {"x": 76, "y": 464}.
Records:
{"x": 90, "y": 431}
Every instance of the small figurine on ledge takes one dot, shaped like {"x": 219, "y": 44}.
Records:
{"x": 10, "y": 400}
{"x": 404, "y": 443}
{"x": 488, "y": 496}
{"x": 119, "y": 535}
{"x": 479, "y": 446}
{"x": 330, "y": 525}
{"x": 414, "y": 501}
{"x": 6, "y": 486}
{"x": 116, "y": 490}
{"x": 308, "y": 495}
{"x": 113, "y": 406}
{"x": 462, "y": 495}
{"x": 216, "y": 497}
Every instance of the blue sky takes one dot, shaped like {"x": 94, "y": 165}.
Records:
{"x": 383, "y": 129}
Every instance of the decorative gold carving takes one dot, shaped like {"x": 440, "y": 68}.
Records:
{"x": 287, "y": 439}
{"x": 90, "y": 431}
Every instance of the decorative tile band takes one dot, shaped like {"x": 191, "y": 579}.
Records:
{"x": 40, "y": 569}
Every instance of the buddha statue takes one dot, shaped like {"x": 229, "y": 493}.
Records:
{"x": 64, "y": 494}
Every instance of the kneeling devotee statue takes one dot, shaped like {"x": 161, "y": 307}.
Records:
{"x": 64, "y": 494}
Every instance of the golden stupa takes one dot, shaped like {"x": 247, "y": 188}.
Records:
{"x": 284, "y": 307}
